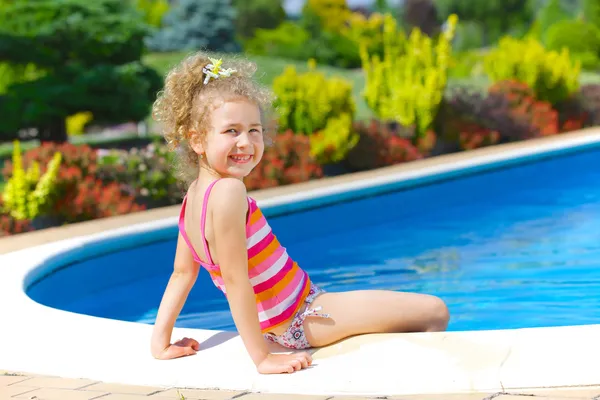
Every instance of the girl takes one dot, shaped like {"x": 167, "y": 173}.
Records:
{"x": 213, "y": 114}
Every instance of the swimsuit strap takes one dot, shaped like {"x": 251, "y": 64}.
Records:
{"x": 182, "y": 229}
{"x": 203, "y": 220}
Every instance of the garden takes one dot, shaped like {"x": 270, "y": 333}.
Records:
{"x": 356, "y": 89}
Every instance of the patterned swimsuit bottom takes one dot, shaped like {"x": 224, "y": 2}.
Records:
{"x": 294, "y": 337}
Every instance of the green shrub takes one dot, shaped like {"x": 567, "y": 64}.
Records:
{"x": 252, "y": 15}
{"x": 582, "y": 39}
{"x": 146, "y": 172}
{"x": 153, "y": 10}
{"x": 288, "y": 40}
{"x": 552, "y": 75}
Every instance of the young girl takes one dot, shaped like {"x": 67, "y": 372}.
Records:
{"x": 213, "y": 114}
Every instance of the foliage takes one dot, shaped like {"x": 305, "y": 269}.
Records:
{"x": 366, "y": 31}
{"x": 307, "y": 102}
{"x": 89, "y": 54}
{"x": 332, "y": 143}
{"x": 472, "y": 136}
{"x": 379, "y": 145}
{"x": 16, "y": 73}
{"x": 497, "y": 17}
{"x": 251, "y": 15}
{"x": 582, "y": 39}
{"x": 552, "y": 12}
{"x": 194, "y": 25}
{"x": 288, "y": 40}
{"x": 330, "y": 15}
{"x": 421, "y": 14}
{"x": 145, "y": 173}
{"x": 469, "y": 36}
{"x": 407, "y": 85}
{"x": 508, "y": 108}
{"x": 552, "y": 75}
{"x": 591, "y": 11}
{"x": 287, "y": 161}
{"x": 76, "y": 123}
{"x": 10, "y": 225}
{"x": 590, "y": 99}
{"x": 29, "y": 193}
{"x": 80, "y": 194}
{"x": 153, "y": 10}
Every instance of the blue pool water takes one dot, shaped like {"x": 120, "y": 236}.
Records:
{"x": 517, "y": 247}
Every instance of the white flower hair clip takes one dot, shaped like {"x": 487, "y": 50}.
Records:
{"x": 214, "y": 71}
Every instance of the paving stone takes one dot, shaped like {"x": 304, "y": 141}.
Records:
{"x": 56, "y": 383}
{"x": 6, "y": 380}
{"x": 13, "y": 390}
{"x": 116, "y": 388}
{"x": 58, "y": 394}
{"x": 121, "y": 396}
{"x": 562, "y": 393}
{"x": 452, "y": 396}
{"x": 196, "y": 394}
{"x": 272, "y": 396}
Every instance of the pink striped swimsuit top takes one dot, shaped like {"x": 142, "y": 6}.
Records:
{"x": 280, "y": 285}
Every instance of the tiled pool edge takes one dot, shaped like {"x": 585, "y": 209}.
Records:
{"x": 457, "y": 368}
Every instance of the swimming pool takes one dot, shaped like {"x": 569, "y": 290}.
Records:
{"x": 510, "y": 248}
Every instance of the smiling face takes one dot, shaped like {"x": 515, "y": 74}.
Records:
{"x": 234, "y": 144}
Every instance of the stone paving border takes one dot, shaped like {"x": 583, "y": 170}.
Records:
{"x": 15, "y": 385}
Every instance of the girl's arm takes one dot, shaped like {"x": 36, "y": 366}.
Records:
{"x": 229, "y": 207}
{"x": 182, "y": 280}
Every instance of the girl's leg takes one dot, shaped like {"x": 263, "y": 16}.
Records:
{"x": 373, "y": 311}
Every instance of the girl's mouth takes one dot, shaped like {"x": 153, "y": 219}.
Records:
{"x": 241, "y": 158}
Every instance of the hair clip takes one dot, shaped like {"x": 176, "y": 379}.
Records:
{"x": 213, "y": 70}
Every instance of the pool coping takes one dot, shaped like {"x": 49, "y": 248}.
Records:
{"x": 448, "y": 362}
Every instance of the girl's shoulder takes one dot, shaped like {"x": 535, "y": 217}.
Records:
{"x": 228, "y": 194}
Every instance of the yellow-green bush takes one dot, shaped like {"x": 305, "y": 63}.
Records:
{"x": 26, "y": 194}
{"x": 332, "y": 14}
{"x": 551, "y": 74}
{"x": 407, "y": 84}
{"x": 307, "y": 101}
{"x": 365, "y": 30}
{"x": 76, "y": 122}
{"x": 332, "y": 144}
{"x": 153, "y": 10}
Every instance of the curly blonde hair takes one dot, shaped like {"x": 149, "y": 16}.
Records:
{"x": 185, "y": 103}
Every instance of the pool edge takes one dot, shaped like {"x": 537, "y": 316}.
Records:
{"x": 458, "y": 368}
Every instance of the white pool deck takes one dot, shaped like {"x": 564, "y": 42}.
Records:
{"x": 40, "y": 340}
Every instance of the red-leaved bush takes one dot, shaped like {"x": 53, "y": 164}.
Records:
{"x": 79, "y": 194}
{"x": 379, "y": 145}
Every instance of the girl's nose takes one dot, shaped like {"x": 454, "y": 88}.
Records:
{"x": 243, "y": 140}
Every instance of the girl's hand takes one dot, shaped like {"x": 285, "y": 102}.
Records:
{"x": 181, "y": 348}
{"x": 284, "y": 363}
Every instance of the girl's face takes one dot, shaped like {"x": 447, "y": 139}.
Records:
{"x": 234, "y": 145}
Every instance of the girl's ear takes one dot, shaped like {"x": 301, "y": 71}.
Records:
{"x": 196, "y": 142}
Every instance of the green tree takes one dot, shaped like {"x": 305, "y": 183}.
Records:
{"x": 497, "y": 17}
{"x": 195, "y": 25}
{"x": 89, "y": 57}
{"x": 252, "y": 15}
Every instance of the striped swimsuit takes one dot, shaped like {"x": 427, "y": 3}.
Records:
{"x": 280, "y": 286}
